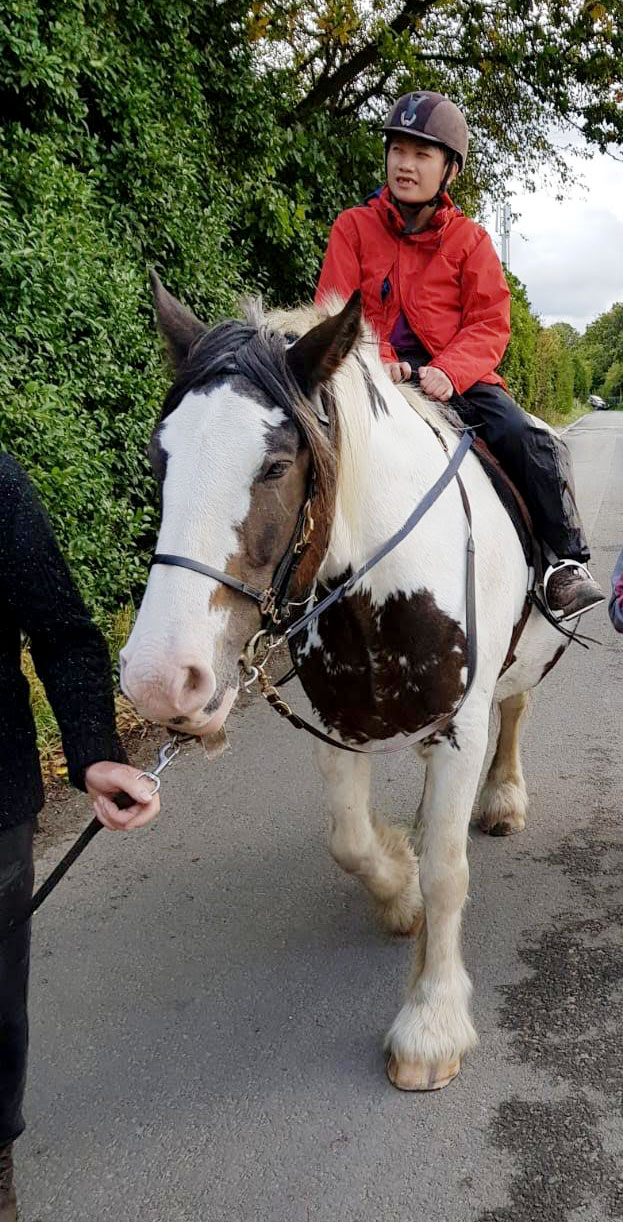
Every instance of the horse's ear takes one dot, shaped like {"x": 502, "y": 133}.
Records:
{"x": 316, "y": 356}
{"x": 176, "y": 323}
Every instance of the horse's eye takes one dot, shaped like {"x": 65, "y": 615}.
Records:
{"x": 275, "y": 470}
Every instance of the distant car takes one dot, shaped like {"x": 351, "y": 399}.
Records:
{"x": 598, "y": 403}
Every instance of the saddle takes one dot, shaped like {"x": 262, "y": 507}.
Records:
{"x": 514, "y": 505}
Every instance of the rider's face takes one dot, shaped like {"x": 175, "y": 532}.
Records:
{"x": 415, "y": 169}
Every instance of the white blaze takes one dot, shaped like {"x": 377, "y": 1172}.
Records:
{"x": 215, "y": 444}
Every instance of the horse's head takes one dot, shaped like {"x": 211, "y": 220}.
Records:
{"x": 242, "y": 428}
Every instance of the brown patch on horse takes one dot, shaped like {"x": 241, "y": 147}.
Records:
{"x": 264, "y": 536}
{"x": 551, "y": 664}
{"x": 383, "y": 670}
{"x": 179, "y": 327}
{"x": 450, "y": 734}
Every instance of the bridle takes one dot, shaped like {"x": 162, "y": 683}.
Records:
{"x": 273, "y": 601}
{"x": 275, "y": 608}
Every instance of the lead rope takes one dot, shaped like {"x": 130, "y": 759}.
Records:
{"x": 166, "y": 754}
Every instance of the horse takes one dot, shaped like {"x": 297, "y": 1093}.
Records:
{"x": 292, "y": 412}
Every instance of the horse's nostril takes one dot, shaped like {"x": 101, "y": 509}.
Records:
{"x": 196, "y": 685}
{"x": 173, "y": 693}
{"x": 194, "y": 679}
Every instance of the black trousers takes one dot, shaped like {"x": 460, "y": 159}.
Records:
{"x": 538, "y": 462}
{"x": 16, "y": 881}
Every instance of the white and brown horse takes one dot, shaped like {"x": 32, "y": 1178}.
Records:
{"x": 254, "y": 408}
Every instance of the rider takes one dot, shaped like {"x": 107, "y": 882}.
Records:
{"x": 434, "y": 290}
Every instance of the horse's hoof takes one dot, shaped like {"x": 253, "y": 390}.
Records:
{"x": 417, "y": 1075}
{"x": 409, "y": 927}
{"x": 503, "y": 828}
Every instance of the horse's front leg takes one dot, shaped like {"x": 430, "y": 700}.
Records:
{"x": 434, "y": 1029}
{"x": 380, "y": 855}
{"x": 504, "y": 797}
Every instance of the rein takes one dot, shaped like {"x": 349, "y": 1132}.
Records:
{"x": 273, "y": 601}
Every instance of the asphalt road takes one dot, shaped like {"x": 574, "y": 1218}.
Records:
{"x": 209, "y": 997}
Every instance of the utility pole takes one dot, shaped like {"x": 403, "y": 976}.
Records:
{"x": 503, "y": 227}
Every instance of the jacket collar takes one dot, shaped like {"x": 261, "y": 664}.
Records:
{"x": 393, "y": 220}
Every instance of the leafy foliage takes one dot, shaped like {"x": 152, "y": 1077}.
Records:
{"x": 218, "y": 142}
{"x": 602, "y": 348}
{"x": 518, "y": 67}
{"x": 613, "y": 381}
{"x": 109, "y": 168}
{"x": 554, "y": 375}
{"x": 519, "y": 364}
{"x": 543, "y": 366}
{"x": 581, "y": 372}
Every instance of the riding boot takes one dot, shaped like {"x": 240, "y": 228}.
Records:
{"x": 569, "y": 590}
{"x": 8, "y": 1200}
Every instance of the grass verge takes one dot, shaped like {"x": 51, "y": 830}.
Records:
{"x": 562, "y": 420}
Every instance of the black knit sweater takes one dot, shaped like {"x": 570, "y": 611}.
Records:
{"x": 39, "y": 599}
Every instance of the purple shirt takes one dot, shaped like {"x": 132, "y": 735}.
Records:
{"x": 406, "y": 342}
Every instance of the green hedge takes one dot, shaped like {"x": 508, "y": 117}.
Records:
{"x": 554, "y": 375}
{"x": 520, "y": 362}
{"x": 109, "y": 168}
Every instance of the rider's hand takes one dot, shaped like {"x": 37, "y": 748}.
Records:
{"x": 399, "y": 371}
{"x": 435, "y": 383}
{"x": 106, "y": 778}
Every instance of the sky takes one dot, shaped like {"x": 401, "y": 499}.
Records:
{"x": 570, "y": 254}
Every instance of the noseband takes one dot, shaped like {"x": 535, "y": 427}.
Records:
{"x": 272, "y": 601}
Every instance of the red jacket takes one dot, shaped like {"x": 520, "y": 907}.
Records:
{"x": 447, "y": 281}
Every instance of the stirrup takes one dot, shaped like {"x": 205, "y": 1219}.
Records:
{"x": 558, "y": 614}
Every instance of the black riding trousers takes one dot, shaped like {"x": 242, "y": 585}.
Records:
{"x": 16, "y": 881}
{"x": 538, "y": 462}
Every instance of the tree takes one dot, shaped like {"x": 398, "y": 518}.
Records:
{"x": 581, "y": 377}
{"x": 581, "y": 371}
{"x": 568, "y": 334}
{"x": 554, "y": 375}
{"x": 613, "y": 381}
{"x": 518, "y": 67}
{"x": 602, "y": 343}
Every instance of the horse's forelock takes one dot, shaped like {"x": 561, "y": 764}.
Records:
{"x": 254, "y": 350}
